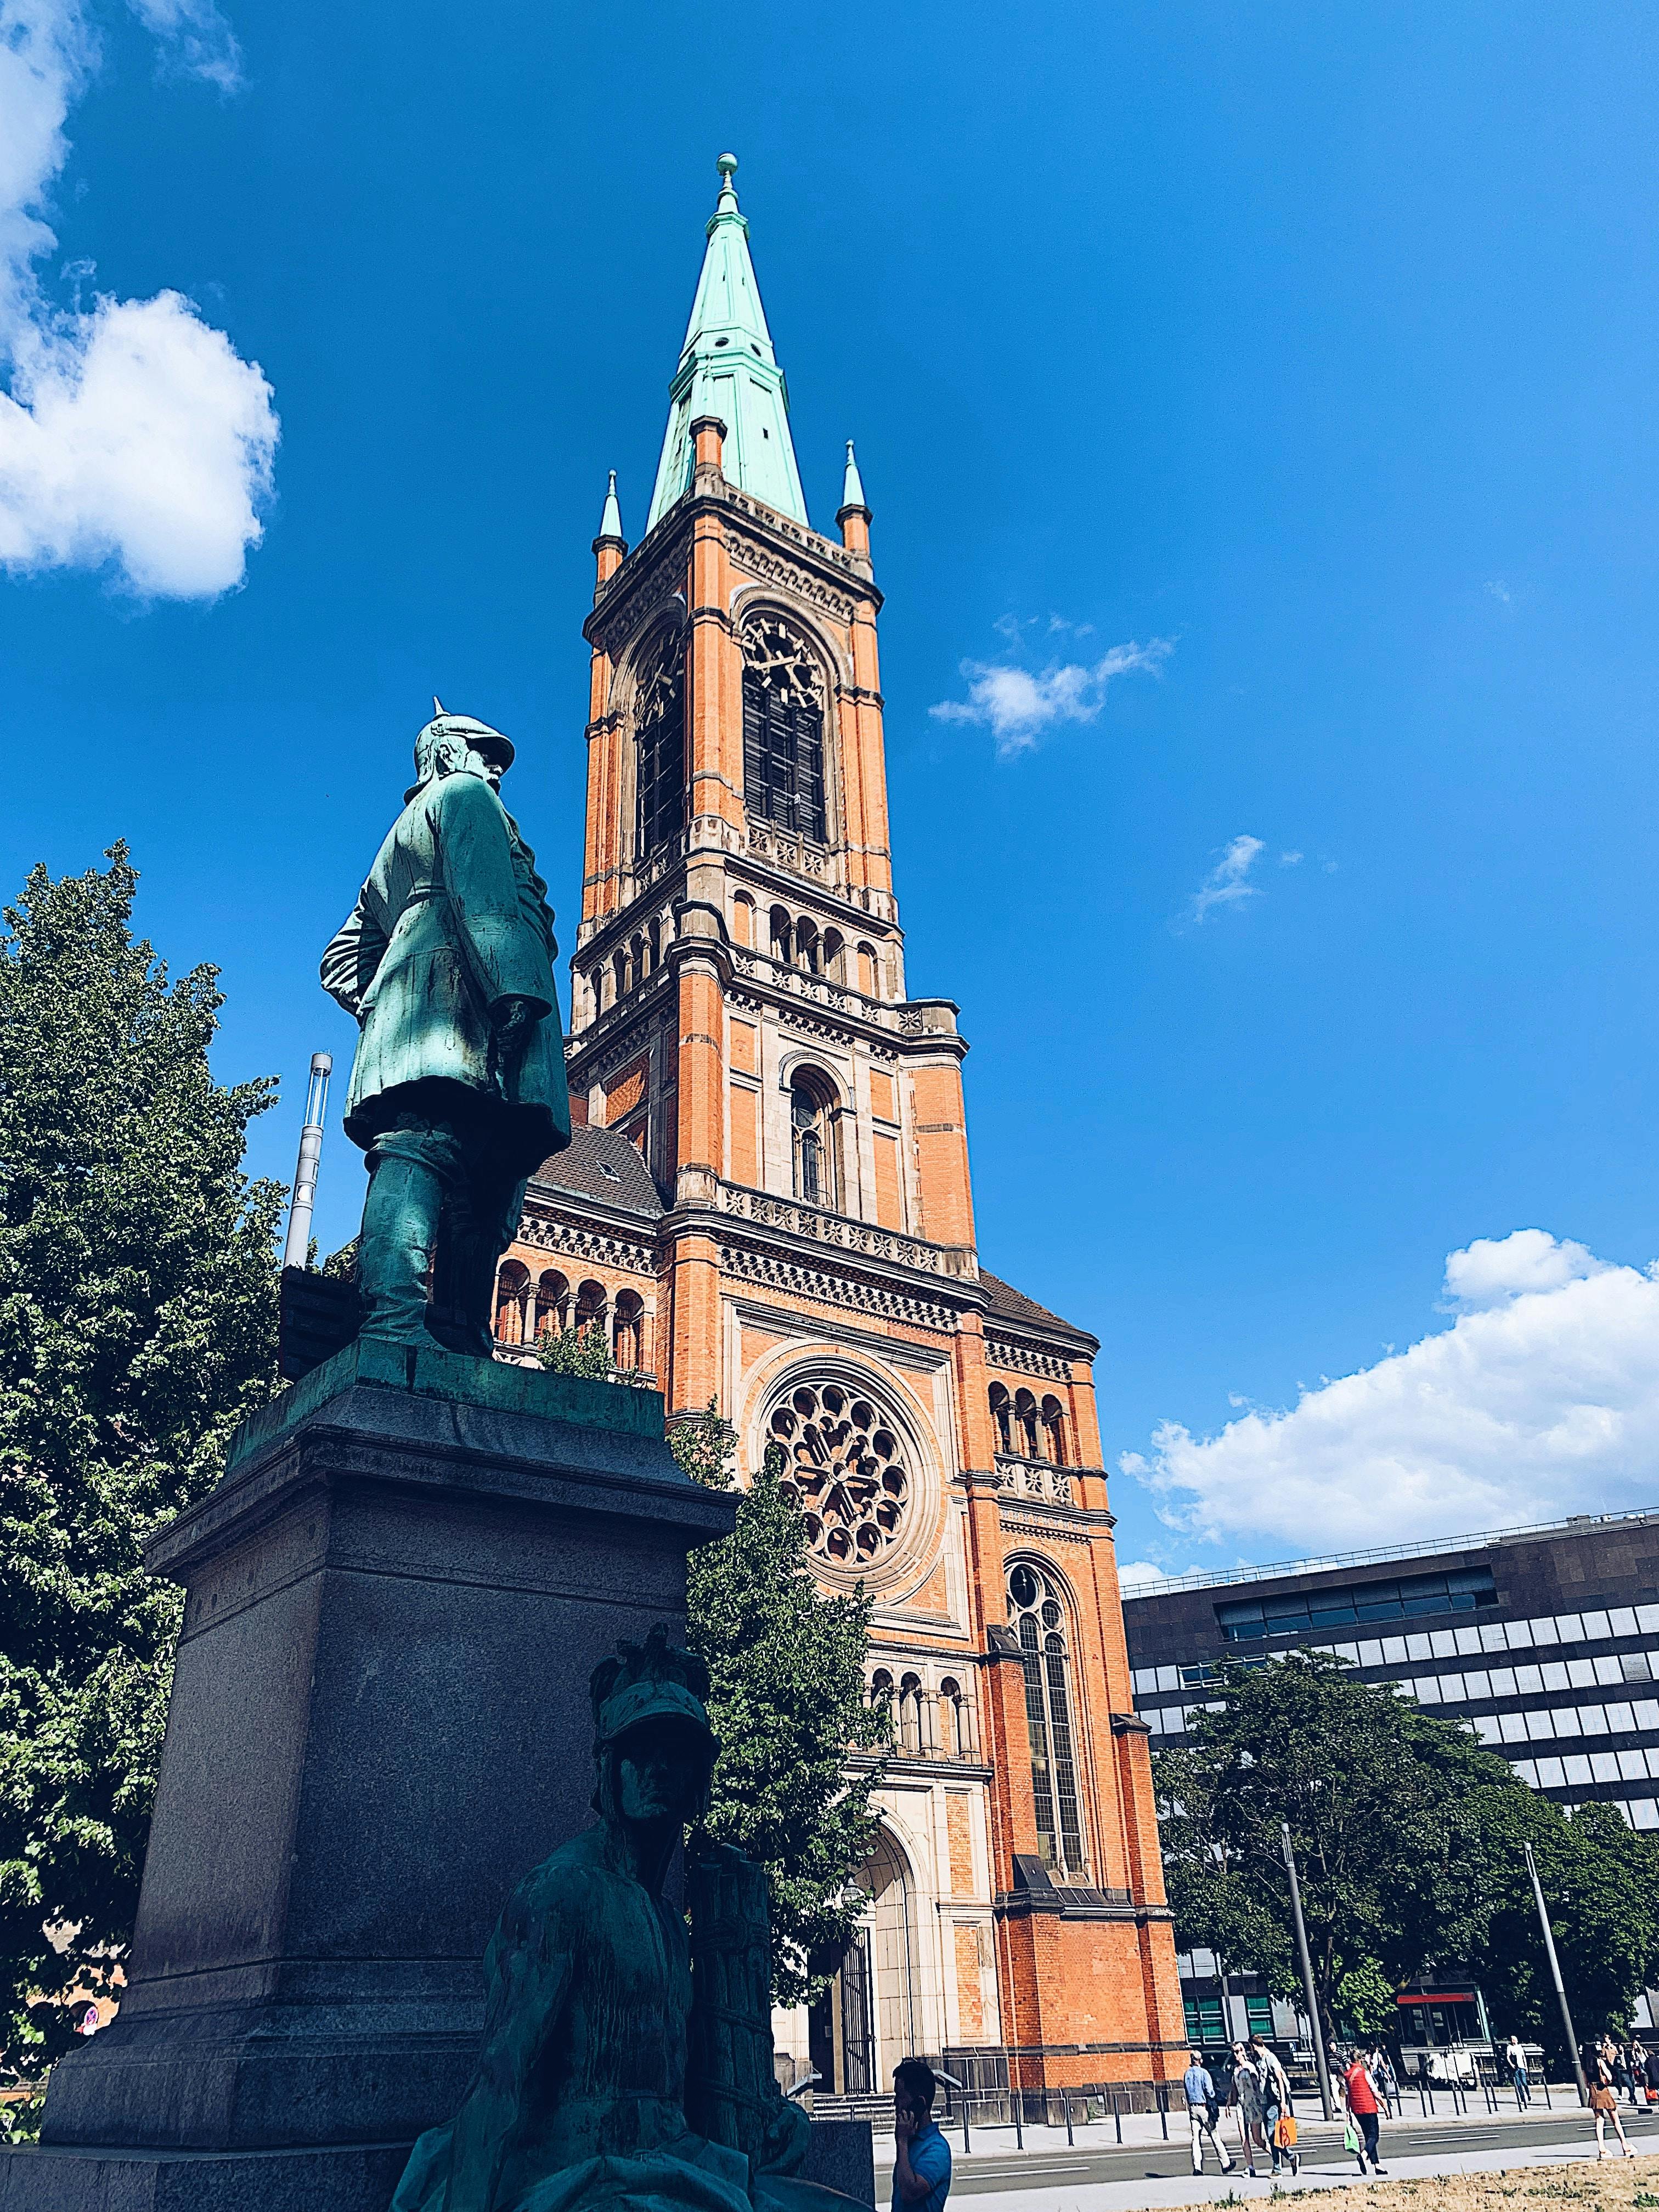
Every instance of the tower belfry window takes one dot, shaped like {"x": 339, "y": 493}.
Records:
{"x": 809, "y": 1119}
{"x": 782, "y": 729}
{"x": 660, "y": 756}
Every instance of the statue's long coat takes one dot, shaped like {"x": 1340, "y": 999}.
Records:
{"x": 451, "y": 920}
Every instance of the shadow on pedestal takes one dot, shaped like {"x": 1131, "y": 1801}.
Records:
{"x": 378, "y": 1722}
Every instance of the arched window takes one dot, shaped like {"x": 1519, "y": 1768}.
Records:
{"x": 590, "y": 1307}
{"x": 627, "y": 1331}
{"x": 806, "y": 946}
{"x": 956, "y": 1732}
{"x": 619, "y": 967}
{"x": 552, "y": 1303}
{"x": 1025, "y": 1421}
{"x": 782, "y": 729}
{"x": 834, "y": 946}
{"x": 743, "y": 918}
{"x": 783, "y": 934}
{"x": 812, "y": 1130}
{"x": 659, "y": 749}
{"x": 881, "y": 1689}
{"x": 1002, "y": 1413}
{"x": 1038, "y": 1619}
{"x": 654, "y": 940}
{"x": 1054, "y": 1429}
{"x": 910, "y": 1715}
{"x": 869, "y": 971}
{"x": 510, "y": 1287}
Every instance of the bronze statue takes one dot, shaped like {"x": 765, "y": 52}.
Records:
{"x": 582, "y": 2097}
{"x": 458, "y": 1089}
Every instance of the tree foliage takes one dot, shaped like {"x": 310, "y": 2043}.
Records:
{"x": 137, "y": 1327}
{"x": 1409, "y": 1839}
{"x": 1379, "y": 1798}
{"x": 787, "y": 1698}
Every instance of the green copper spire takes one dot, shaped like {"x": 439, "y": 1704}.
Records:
{"x": 728, "y": 368}
{"x": 610, "y": 520}
{"x": 852, "y": 489}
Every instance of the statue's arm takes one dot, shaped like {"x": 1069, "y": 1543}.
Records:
{"x": 508, "y": 956}
{"x": 354, "y": 954}
{"x": 526, "y": 1996}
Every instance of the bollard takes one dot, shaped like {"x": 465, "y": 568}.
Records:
{"x": 1117, "y": 2116}
{"x": 1422, "y": 2097}
{"x": 1162, "y": 2095}
{"x": 1019, "y": 2115}
{"x": 1069, "y": 2122}
{"x": 1548, "y": 2107}
{"x": 967, "y": 2141}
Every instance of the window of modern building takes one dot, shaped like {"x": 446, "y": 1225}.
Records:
{"x": 1038, "y": 1619}
{"x": 782, "y": 729}
{"x": 660, "y": 751}
{"x": 1204, "y": 2020}
{"x": 1290, "y": 1612}
{"x": 1259, "y": 2013}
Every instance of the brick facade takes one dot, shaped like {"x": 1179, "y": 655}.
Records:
{"x": 770, "y": 1177}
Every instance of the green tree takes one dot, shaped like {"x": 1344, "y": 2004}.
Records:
{"x": 787, "y": 1698}
{"x": 137, "y": 1327}
{"x": 579, "y": 1351}
{"x": 1386, "y": 1809}
{"x": 1600, "y": 1882}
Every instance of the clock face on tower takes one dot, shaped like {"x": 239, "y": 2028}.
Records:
{"x": 844, "y": 1464}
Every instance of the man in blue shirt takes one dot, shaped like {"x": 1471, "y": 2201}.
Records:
{"x": 922, "y": 2169}
{"x": 1203, "y": 2108}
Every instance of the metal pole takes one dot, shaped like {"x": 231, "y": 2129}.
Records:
{"x": 1321, "y": 2070}
{"x": 1555, "y": 1975}
{"x": 297, "y": 1250}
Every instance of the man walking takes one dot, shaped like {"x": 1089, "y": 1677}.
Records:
{"x": 1203, "y": 2110}
{"x": 1515, "y": 2059}
{"x": 921, "y": 2163}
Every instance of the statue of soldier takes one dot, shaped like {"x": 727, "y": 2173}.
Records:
{"x": 457, "y": 1089}
{"x": 584, "y": 2100}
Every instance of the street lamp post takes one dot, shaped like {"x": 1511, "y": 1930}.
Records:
{"x": 298, "y": 1247}
{"x": 1321, "y": 2072}
{"x": 1555, "y": 1975}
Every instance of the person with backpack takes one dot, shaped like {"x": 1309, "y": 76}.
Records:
{"x": 1203, "y": 2112}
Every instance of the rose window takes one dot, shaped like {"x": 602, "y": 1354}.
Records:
{"x": 844, "y": 1465}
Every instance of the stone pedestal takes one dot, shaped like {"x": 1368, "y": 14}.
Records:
{"x": 379, "y": 1722}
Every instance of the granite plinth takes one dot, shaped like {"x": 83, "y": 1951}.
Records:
{"x": 378, "y": 1722}
{"x": 358, "y": 2177}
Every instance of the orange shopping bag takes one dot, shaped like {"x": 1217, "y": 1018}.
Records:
{"x": 1285, "y": 2133}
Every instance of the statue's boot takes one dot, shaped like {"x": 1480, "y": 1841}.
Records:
{"x": 399, "y": 1238}
{"x": 484, "y": 1219}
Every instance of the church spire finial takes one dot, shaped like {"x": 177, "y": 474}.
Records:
{"x": 728, "y": 369}
{"x": 853, "y": 515}
{"x": 609, "y": 547}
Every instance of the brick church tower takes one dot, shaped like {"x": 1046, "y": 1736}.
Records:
{"x": 767, "y": 1204}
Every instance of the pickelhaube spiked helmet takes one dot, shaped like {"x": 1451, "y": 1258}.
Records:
{"x": 648, "y": 1681}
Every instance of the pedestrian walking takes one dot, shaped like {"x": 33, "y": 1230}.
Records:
{"x": 1636, "y": 2059}
{"x": 1604, "y": 2102}
{"x": 1651, "y": 2072}
{"x": 921, "y": 2162}
{"x": 1382, "y": 2073}
{"x": 1246, "y": 2102}
{"x": 1275, "y": 2105}
{"x": 1515, "y": 2059}
{"x": 1203, "y": 2112}
{"x": 1359, "y": 2093}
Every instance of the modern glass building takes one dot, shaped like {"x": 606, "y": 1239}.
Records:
{"x": 1544, "y": 1640}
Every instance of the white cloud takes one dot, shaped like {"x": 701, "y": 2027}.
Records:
{"x": 195, "y": 39}
{"x": 1291, "y": 860}
{"x": 1500, "y": 591}
{"x": 1540, "y": 1400}
{"x": 1227, "y": 883}
{"x": 1018, "y": 705}
{"x": 133, "y": 436}
{"x": 1141, "y": 1574}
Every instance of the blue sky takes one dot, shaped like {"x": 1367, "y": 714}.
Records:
{"x": 1311, "y": 353}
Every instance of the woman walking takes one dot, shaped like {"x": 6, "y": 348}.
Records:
{"x": 1604, "y": 2103}
{"x": 1275, "y": 2105}
{"x": 1249, "y": 2102}
{"x": 1359, "y": 2092}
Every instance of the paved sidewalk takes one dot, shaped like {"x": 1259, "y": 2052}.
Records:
{"x": 1094, "y": 2174}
